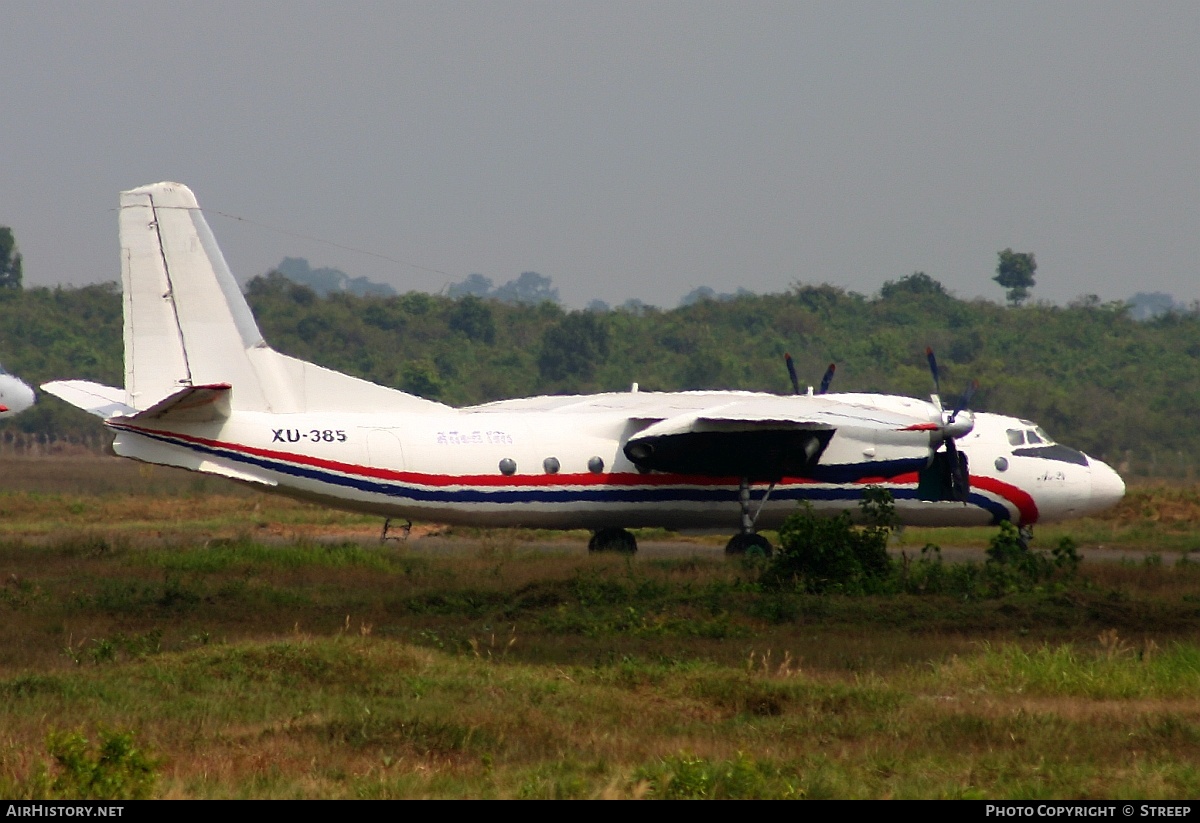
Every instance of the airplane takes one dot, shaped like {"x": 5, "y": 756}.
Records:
{"x": 203, "y": 391}
{"x": 15, "y": 395}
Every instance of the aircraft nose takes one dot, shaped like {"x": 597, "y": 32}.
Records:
{"x": 1107, "y": 486}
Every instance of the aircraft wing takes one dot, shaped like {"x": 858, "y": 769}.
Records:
{"x": 756, "y": 435}
{"x": 662, "y": 405}
{"x": 771, "y": 436}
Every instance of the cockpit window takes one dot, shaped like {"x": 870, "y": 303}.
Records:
{"x": 1042, "y": 434}
{"x": 1033, "y": 437}
{"x": 1016, "y": 437}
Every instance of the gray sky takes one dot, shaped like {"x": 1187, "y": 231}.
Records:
{"x": 624, "y": 149}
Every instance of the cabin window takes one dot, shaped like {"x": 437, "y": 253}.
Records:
{"x": 596, "y": 465}
{"x": 551, "y": 465}
{"x": 508, "y": 466}
{"x": 1001, "y": 464}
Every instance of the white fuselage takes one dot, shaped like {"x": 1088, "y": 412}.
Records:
{"x": 503, "y": 466}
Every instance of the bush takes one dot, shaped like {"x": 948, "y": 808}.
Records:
{"x": 830, "y": 554}
{"x": 1013, "y": 566}
{"x": 819, "y": 555}
{"x": 688, "y": 777}
{"x": 114, "y": 770}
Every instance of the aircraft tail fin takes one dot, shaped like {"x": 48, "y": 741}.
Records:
{"x": 187, "y": 323}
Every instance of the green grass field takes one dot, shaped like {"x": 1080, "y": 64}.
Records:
{"x": 171, "y": 636}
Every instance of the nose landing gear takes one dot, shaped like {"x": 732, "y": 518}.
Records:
{"x": 749, "y": 544}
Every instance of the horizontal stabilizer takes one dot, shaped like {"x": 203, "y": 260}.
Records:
{"x": 193, "y": 404}
{"x": 93, "y": 398}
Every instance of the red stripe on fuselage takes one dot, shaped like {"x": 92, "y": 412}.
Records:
{"x": 1026, "y": 508}
{"x": 1024, "y": 503}
{"x": 582, "y": 479}
{"x": 1020, "y": 498}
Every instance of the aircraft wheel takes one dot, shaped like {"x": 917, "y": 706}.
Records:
{"x": 749, "y": 544}
{"x": 613, "y": 540}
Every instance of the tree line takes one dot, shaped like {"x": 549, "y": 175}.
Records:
{"x": 1094, "y": 377}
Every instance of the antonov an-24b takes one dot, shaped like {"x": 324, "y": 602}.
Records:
{"x": 203, "y": 391}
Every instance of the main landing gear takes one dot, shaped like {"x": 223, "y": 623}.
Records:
{"x": 613, "y": 540}
{"x": 748, "y": 541}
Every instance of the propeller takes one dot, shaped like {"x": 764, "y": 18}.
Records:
{"x": 937, "y": 384}
{"x": 791, "y": 366}
{"x": 825, "y": 381}
{"x": 952, "y": 429}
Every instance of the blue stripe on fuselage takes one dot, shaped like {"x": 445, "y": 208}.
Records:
{"x": 562, "y": 494}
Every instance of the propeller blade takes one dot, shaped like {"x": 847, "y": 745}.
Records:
{"x": 937, "y": 383}
{"x": 791, "y": 367}
{"x": 965, "y": 399}
{"x": 827, "y": 379}
{"x": 960, "y": 480}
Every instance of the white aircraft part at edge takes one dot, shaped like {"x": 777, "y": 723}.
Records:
{"x": 15, "y": 395}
